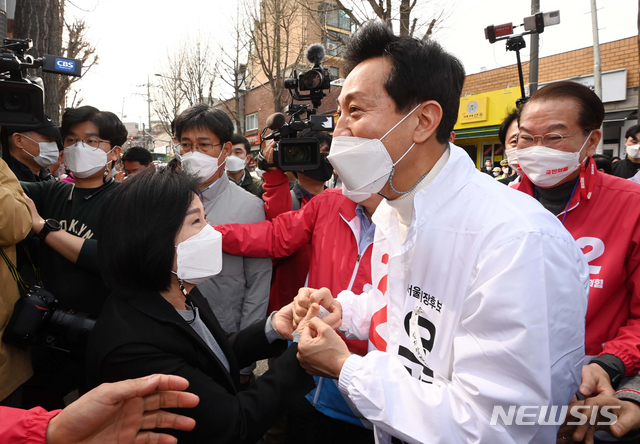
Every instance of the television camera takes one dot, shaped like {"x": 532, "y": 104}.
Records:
{"x": 294, "y": 153}
{"x": 21, "y": 96}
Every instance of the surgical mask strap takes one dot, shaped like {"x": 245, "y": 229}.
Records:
{"x": 393, "y": 169}
{"x": 106, "y": 168}
{"x": 585, "y": 142}
{"x": 38, "y": 143}
{"x": 403, "y": 119}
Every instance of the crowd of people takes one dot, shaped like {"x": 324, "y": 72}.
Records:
{"x": 399, "y": 307}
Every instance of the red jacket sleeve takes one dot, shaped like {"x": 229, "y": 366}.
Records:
{"x": 626, "y": 344}
{"x": 19, "y": 426}
{"x": 280, "y": 237}
{"x": 277, "y": 195}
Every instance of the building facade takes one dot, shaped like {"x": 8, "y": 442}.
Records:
{"x": 490, "y": 95}
{"x": 320, "y": 22}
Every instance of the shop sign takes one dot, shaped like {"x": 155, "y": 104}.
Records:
{"x": 254, "y": 140}
{"x": 473, "y": 109}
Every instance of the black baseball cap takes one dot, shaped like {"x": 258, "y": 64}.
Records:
{"x": 46, "y": 128}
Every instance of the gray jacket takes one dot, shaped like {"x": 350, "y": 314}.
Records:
{"x": 240, "y": 293}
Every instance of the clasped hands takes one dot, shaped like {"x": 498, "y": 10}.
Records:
{"x": 321, "y": 351}
{"x": 596, "y": 388}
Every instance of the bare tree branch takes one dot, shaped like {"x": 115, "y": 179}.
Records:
{"x": 278, "y": 43}
{"x": 188, "y": 78}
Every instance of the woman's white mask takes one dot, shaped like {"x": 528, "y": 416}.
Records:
{"x": 200, "y": 256}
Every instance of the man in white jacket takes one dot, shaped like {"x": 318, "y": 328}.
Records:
{"x": 472, "y": 309}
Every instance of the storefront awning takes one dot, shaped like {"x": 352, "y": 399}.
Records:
{"x": 617, "y": 118}
{"x": 486, "y": 131}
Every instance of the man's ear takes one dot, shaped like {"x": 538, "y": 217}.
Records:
{"x": 115, "y": 153}
{"x": 593, "y": 141}
{"x": 17, "y": 140}
{"x": 429, "y": 117}
{"x": 227, "y": 148}
{"x": 248, "y": 159}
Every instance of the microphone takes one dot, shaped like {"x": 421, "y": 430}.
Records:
{"x": 275, "y": 121}
{"x": 315, "y": 53}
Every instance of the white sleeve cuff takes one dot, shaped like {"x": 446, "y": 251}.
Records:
{"x": 346, "y": 301}
{"x": 353, "y": 363}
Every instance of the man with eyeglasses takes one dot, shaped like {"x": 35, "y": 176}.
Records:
{"x": 559, "y": 130}
{"x": 239, "y": 294}
{"x": 65, "y": 218}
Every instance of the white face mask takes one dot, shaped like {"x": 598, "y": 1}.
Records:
{"x": 201, "y": 165}
{"x": 235, "y": 164}
{"x": 354, "y": 195}
{"x": 200, "y": 256}
{"x": 547, "y": 167}
{"x": 512, "y": 157}
{"x": 48, "y": 153}
{"x": 364, "y": 165}
{"x": 84, "y": 160}
{"x": 632, "y": 151}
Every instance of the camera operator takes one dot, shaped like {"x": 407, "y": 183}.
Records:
{"x": 15, "y": 223}
{"x": 65, "y": 217}
{"x": 32, "y": 152}
{"x": 291, "y": 271}
{"x": 309, "y": 183}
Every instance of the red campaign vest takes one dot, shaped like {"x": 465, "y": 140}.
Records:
{"x": 604, "y": 219}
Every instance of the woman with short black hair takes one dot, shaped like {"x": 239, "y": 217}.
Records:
{"x": 156, "y": 246}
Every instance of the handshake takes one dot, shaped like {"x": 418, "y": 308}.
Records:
{"x": 321, "y": 351}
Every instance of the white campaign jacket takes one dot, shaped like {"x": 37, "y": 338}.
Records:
{"x": 484, "y": 305}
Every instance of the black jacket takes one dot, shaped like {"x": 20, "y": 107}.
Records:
{"x": 141, "y": 333}
{"x": 624, "y": 168}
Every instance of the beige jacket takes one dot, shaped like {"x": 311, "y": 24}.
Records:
{"x": 15, "y": 223}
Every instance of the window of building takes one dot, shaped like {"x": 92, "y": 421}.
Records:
{"x": 336, "y": 18}
{"x": 333, "y": 43}
{"x": 251, "y": 122}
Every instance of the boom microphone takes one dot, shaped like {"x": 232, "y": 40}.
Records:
{"x": 275, "y": 121}
{"x": 315, "y": 53}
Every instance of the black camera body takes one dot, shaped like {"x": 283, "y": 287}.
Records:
{"x": 22, "y": 98}
{"x": 293, "y": 153}
{"x": 37, "y": 319}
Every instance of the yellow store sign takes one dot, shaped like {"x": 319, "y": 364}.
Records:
{"x": 486, "y": 109}
{"x": 472, "y": 109}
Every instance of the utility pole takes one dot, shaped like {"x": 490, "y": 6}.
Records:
{"x": 597, "y": 69}
{"x": 533, "y": 54}
{"x": 147, "y": 139}
{"x": 149, "y": 100}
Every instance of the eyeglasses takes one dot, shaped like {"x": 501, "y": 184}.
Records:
{"x": 204, "y": 147}
{"x": 550, "y": 140}
{"x": 92, "y": 141}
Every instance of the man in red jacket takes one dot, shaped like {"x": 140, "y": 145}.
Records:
{"x": 559, "y": 132}
{"x": 339, "y": 233}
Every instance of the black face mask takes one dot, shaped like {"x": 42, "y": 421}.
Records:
{"x": 323, "y": 172}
